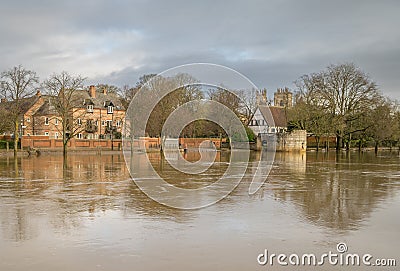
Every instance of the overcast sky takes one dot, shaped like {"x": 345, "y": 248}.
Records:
{"x": 271, "y": 42}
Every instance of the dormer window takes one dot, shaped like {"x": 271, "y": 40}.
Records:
{"x": 110, "y": 109}
{"x": 89, "y": 108}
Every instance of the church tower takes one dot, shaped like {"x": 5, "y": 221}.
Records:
{"x": 283, "y": 97}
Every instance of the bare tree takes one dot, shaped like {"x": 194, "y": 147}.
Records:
{"x": 16, "y": 84}
{"x": 5, "y": 124}
{"x": 248, "y": 104}
{"x": 344, "y": 92}
{"x": 382, "y": 123}
{"x": 63, "y": 88}
{"x": 349, "y": 93}
{"x": 229, "y": 98}
{"x": 109, "y": 88}
{"x": 184, "y": 88}
{"x": 127, "y": 92}
{"x": 310, "y": 111}
{"x": 396, "y": 122}
{"x": 144, "y": 79}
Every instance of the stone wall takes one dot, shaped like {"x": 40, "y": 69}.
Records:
{"x": 293, "y": 141}
{"x": 284, "y": 142}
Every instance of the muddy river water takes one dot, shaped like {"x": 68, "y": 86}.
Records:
{"x": 88, "y": 214}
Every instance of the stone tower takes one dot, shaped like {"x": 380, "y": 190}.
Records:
{"x": 283, "y": 97}
{"x": 262, "y": 97}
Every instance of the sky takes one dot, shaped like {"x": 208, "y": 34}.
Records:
{"x": 272, "y": 43}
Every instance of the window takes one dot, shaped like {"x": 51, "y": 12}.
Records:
{"x": 79, "y": 121}
{"x": 110, "y": 109}
{"x": 56, "y": 121}
{"x": 118, "y": 123}
{"x": 109, "y": 123}
{"x": 46, "y": 133}
{"x": 273, "y": 130}
{"x": 56, "y": 135}
{"x": 103, "y": 123}
{"x": 46, "y": 121}
{"x": 97, "y": 123}
{"x": 28, "y": 119}
{"x": 90, "y": 108}
{"x": 79, "y": 136}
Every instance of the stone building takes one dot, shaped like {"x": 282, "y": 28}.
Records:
{"x": 262, "y": 97}
{"x": 269, "y": 123}
{"x": 283, "y": 98}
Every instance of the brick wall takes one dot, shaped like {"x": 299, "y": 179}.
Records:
{"x": 28, "y": 120}
{"x": 45, "y": 142}
{"x": 144, "y": 142}
{"x": 323, "y": 141}
{"x": 195, "y": 142}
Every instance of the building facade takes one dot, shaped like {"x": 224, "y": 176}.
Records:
{"x": 283, "y": 98}
{"x": 95, "y": 115}
{"x": 268, "y": 120}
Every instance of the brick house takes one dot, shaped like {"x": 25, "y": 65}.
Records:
{"x": 96, "y": 115}
{"x": 27, "y": 106}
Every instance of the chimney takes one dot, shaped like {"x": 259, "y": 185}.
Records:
{"x": 38, "y": 94}
{"x": 3, "y": 100}
{"x": 104, "y": 91}
{"x": 92, "y": 91}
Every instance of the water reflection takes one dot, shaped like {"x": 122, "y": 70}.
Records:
{"x": 40, "y": 197}
{"x": 66, "y": 192}
{"x": 337, "y": 191}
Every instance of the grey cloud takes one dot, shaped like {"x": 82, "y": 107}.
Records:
{"x": 271, "y": 42}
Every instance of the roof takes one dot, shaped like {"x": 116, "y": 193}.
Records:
{"x": 277, "y": 113}
{"x": 47, "y": 108}
{"x": 25, "y": 104}
{"x": 102, "y": 100}
{"x": 81, "y": 100}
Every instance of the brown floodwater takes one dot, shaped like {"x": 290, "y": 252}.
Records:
{"x": 88, "y": 214}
